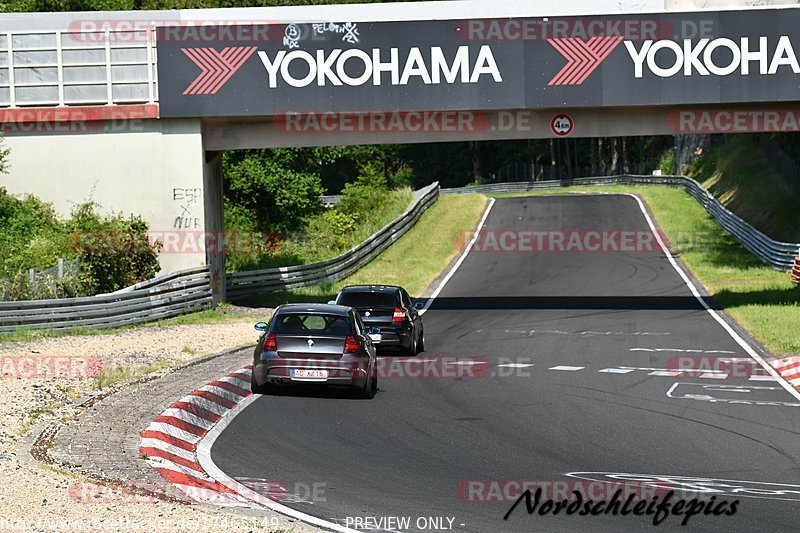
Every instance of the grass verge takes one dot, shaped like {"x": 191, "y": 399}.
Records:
{"x": 759, "y": 298}
{"x": 741, "y": 176}
{"x": 124, "y": 373}
{"x": 413, "y": 262}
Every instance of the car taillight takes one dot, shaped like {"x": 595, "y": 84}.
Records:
{"x": 399, "y": 315}
{"x": 351, "y": 345}
{"x": 271, "y": 342}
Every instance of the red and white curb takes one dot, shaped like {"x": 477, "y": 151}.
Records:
{"x": 178, "y": 445}
{"x": 170, "y": 442}
{"x": 789, "y": 368}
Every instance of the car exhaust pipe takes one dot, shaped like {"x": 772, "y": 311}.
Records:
{"x": 276, "y": 381}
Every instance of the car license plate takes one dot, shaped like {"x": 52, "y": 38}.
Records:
{"x": 376, "y": 337}
{"x": 308, "y": 375}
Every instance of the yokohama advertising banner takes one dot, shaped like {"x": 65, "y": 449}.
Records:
{"x": 628, "y": 60}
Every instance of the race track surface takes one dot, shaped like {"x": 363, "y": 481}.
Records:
{"x": 589, "y": 341}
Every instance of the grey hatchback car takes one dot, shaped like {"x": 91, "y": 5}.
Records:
{"x": 314, "y": 344}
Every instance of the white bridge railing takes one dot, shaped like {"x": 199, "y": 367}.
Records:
{"x": 60, "y": 68}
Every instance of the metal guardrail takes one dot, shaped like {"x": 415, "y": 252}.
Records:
{"x": 242, "y": 284}
{"x": 779, "y": 255}
{"x": 189, "y": 290}
{"x": 330, "y": 200}
{"x": 173, "y": 294}
{"x": 57, "y": 68}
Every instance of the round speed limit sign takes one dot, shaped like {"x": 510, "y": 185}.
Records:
{"x": 561, "y": 125}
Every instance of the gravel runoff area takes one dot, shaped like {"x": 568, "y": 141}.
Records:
{"x": 42, "y": 380}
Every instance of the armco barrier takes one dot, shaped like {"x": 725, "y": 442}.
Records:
{"x": 780, "y": 255}
{"x": 242, "y": 284}
{"x": 189, "y": 290}
{"x": 162, "y": 297}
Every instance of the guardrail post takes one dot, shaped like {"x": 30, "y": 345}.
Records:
{"x": 214, "y": 225}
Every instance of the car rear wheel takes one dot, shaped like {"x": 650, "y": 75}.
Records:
{"x": 255, "y": 388}
{"x": 370, "y": 387}
{"x": 421, "y": 343}
{"x": 412, "y": 347}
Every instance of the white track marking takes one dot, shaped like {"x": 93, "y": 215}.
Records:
{"x": 567, "y": 368}
{"x": 516, "y": 365}
{"x": 204, "y": 458}
{"x": 616, "y": 370}
{"x": 714, "y": 375}
{"x": 681, "y": 350}
{"x": 466, "y": 363}
{"x": 665, "y": 373}
{"x": 460, "y": 259}
{"x": 735, "y": 336}
{"x": 701, "y": 396}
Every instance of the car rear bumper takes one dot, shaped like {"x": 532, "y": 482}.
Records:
{"x": 340, "y": 372}
{"x": 393, "y": 339}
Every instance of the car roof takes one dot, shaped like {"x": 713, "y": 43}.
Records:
{"x": 314, "y": 308}
{"x": 371, "y": 288}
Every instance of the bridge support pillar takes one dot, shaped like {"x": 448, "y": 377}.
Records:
{"x": 214, "y": 224}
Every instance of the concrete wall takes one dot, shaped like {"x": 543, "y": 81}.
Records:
{"x": 152, "y": 168}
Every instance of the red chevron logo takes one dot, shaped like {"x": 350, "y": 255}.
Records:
{"x": 582, "y": 57}
{"x": 216, "y": 67}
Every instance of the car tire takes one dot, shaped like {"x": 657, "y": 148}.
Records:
{"x": 255, "y": 388}
{"x": 412, "y": 348}
{"x": 370, "y": 388}
{"x": 421, "y": 342}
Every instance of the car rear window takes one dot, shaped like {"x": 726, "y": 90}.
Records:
{"x": 311, "y": 324}
{"x": 368, "y": 299}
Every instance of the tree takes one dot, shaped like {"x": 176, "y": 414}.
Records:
{"x": 279, "y": 197}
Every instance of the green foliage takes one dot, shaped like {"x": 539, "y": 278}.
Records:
{"x": 741, "y": 176}
{"x": 31, "y": 236}
{"x": 337, "y": 225}
{"x": 279, "y": 197}
{"x": 4, "y": 153}
{"x": 115, "y": 251}
{"x": 666, "y": 163}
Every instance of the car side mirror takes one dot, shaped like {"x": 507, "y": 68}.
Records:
{"x": 261, "y": 326}
{"x": 419, "y": 304}
{"x": 331, "y": 302}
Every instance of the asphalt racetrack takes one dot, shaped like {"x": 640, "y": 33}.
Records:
{"x": 566, "y": 371}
